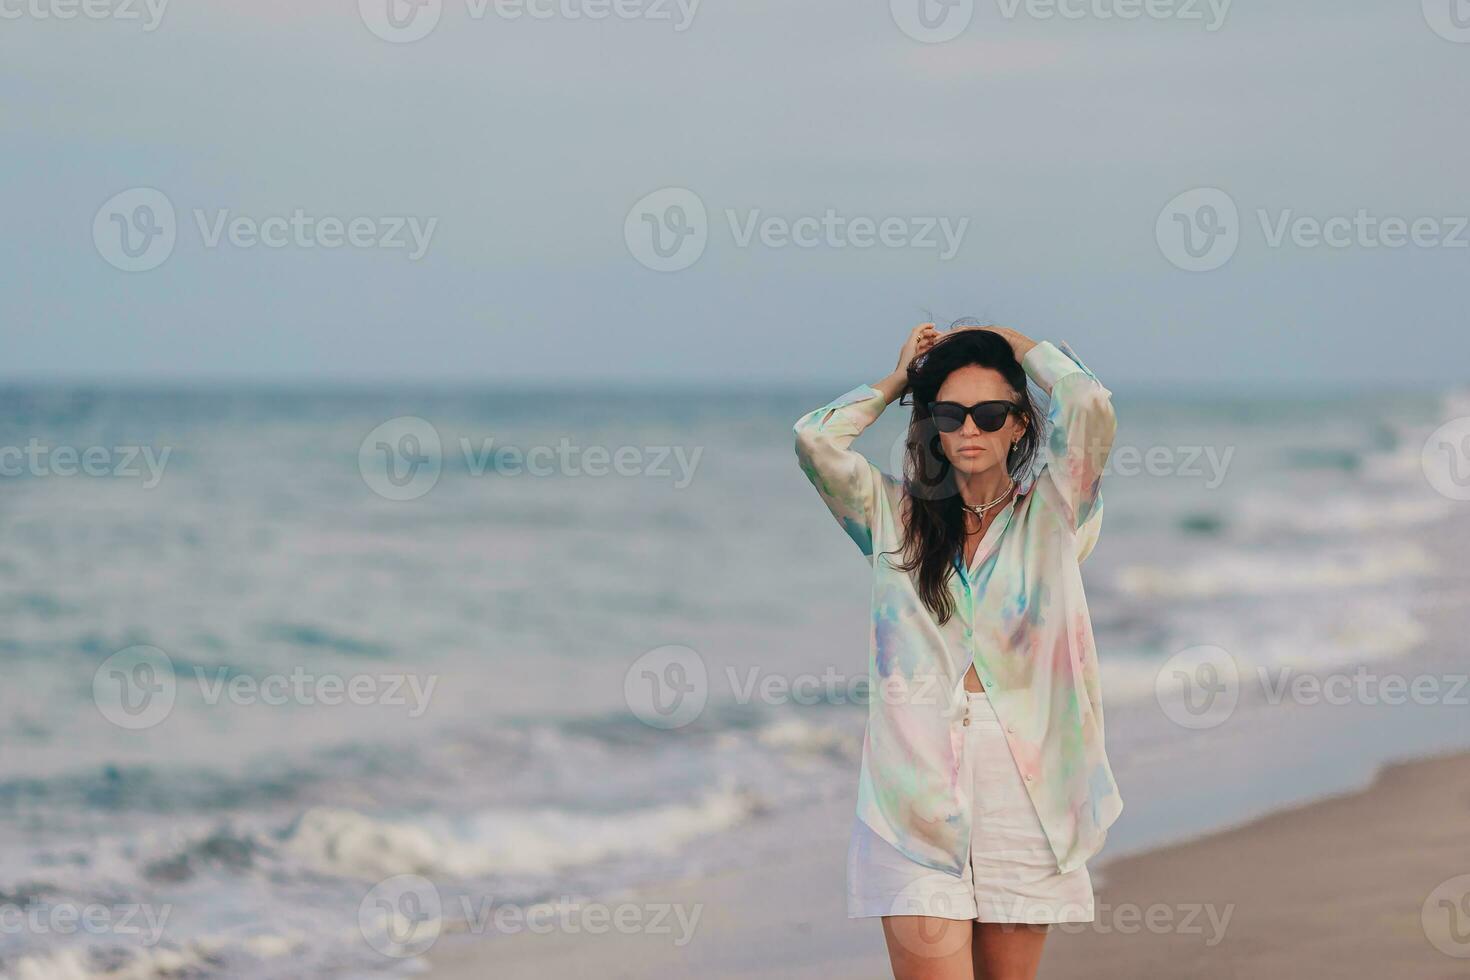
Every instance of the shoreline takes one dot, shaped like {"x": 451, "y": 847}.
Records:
{"x": 1338, "y": 886}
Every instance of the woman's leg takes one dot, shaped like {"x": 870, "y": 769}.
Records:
{"x": 926, "y": 947}
{"x": 1007, "y": 950}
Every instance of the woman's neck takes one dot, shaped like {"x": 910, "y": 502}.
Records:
{"x": 982, "y": 488}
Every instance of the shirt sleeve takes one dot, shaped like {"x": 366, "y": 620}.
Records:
{"x": 848, "y": 484}
{"x": 1081, "y": 426}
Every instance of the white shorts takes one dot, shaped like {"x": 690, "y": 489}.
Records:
{"x": 1012, "y": 874}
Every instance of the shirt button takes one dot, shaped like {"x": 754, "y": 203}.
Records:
{"x": 1028, "y": 777}
{"x": 1011, "y": 729}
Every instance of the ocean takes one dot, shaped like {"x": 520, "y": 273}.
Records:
{"x": 265, "y": 649}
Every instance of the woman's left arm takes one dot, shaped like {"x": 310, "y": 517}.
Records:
{"x": 1083, "y": 425}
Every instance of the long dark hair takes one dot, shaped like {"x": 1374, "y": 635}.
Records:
{"x": 934, "y": 523}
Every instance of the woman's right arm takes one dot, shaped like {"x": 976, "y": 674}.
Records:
{"x": 848, "y": 484}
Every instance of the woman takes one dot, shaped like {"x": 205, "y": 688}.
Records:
{"x": 984, "y": 785}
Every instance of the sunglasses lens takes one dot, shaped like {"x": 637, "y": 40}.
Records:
{"x": 948, "y": 417}
{"x": 991, "y": 417}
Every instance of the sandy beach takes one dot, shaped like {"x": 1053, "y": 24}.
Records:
{"x": 1354, "y": 886}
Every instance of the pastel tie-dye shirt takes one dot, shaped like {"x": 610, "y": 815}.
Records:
{"x": 1020, "y": 617}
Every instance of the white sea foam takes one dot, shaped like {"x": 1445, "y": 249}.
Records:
{"x": 795, "y": 735}
{"x": 1370, "y": 631}
{"x": 522, "y": 841}
{"x": 73, "y": 964}
{"x": 1266, "y": 574}
{"x": 1266, "y": 513}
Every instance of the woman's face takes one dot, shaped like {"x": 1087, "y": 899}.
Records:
{"x": 970, "y": 449}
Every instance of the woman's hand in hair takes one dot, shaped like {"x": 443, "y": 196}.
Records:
{"x": 919, "y": 340}
{"x": 1020, "y": 343}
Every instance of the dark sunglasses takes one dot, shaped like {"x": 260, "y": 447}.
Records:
{"x": 988, "y": 416}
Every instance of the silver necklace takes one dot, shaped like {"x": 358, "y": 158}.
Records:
{"x": 979, "y": 509}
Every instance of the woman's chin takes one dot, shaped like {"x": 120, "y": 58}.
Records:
{"x": 973, "y": 465}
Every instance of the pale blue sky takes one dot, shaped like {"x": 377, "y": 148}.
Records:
{"x": 1059, "y": 140}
